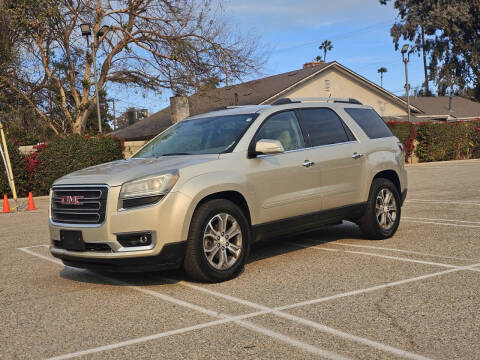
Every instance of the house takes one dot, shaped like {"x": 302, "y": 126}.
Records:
{"x": 131, "y": 116}
{"x": 444, "y": 108}
{"x": 316, "y": 79}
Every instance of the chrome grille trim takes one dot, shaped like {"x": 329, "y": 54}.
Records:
{"x": 90, "y": 212}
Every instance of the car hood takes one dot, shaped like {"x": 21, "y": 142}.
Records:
{"x": 118, "y": 172}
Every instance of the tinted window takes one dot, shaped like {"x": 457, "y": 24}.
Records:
{"x": 284, "y": 128}
{"x": 370, "y": 122}
{"x": 323, "y": 126}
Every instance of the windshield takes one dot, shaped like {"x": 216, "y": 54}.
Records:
{"x": 212, "y": 135}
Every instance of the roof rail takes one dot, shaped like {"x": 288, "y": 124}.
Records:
{"x": 284, "y": 101}
{"x": 220, "y": 108}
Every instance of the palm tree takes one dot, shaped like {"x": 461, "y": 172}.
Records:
{"x": 382, "y": 71}
{"x": 326, "y": 46}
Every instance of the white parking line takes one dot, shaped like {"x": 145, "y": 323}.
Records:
{"x": 315, "y": 247}
{"x": 35, "y": 246}
{"x": 447, "y": 220}
{"x": 259, "y": 329}
{"x": 444, "y": 224}
{"x": 310, "y": 323}
{"x": 373, "y": 288}
{"x": 461, "y": 202}
{"x": 278, "y": 311}
{"x": 400, "y": 250}
{"x": 307, "y": 247}
{"x": 402, "y": 259}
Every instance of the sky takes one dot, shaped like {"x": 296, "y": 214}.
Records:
{"x": 290, "y": 32}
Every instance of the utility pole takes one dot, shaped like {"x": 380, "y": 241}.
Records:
{"x": 87, "y": 31}
{"x": 97, "y": 97}
{"x": 406, "y": 59}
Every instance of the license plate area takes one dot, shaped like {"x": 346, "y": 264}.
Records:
{"x": 72, "y": 240}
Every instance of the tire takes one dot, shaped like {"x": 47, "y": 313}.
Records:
{"x": 382, "y": 226}
{"x": 206, "y": 234}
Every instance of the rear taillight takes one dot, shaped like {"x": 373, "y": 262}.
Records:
{"x": 402, "y": 147}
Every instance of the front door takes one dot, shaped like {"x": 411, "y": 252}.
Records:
{"x": 285, "y": 185}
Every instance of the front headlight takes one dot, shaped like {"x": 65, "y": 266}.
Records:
{"x": 147, "y": 189}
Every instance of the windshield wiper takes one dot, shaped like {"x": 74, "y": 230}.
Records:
{"x": 177, "y": 153}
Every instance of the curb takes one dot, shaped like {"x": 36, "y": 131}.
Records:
{"x": 437, "y": 163}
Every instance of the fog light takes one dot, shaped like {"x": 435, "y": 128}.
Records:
{"x": 135, "y": 239}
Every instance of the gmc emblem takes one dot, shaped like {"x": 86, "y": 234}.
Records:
{"x": 71, "y": 200}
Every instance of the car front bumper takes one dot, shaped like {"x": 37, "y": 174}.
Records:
{"x": 171, "y": 257}
{"x": 165, "y": 220}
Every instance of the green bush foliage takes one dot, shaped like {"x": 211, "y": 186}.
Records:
{"x": 66, "y": 154}
{"x": 406, "y": 133}
{"x": 18, "y": 168}
{"x": 448, "y": 141}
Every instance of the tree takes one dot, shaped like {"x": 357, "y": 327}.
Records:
{"x": 325, "y": 46}
{"x": 414, "y": 24}
{"x": 382, "y": 71}
{"x": 447, "y": 31}
{"x": 148, "y": 44}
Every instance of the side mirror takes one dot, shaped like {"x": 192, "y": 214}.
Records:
{"x": 267, "y": 147}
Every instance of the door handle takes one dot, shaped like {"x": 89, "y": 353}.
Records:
{"x": 357, "y": 156}
{"x": 308, "y": 163}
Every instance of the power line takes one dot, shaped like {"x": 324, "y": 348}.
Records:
{"x": 336, "y": 37}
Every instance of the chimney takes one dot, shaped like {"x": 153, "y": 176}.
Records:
{"x": 312, "y": 64}
{"x": 179, "y": 108}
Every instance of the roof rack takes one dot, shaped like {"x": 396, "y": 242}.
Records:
{"x": 220, "y": 108}
{"x": 284, "y": 101}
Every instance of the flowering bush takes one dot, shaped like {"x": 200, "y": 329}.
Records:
{"x": 36, "y": 172}
{"x": 406, "y": 133}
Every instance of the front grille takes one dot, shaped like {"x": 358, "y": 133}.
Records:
{"x": 79, "y": 204}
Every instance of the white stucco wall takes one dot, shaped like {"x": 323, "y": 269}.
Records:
{"x": 336, "y": 83}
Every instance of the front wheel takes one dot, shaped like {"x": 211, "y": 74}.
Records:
{"x": 382, "y": 216}
{"x": 218, "y": 242}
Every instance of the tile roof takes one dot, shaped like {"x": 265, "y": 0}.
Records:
{"x": 433, "y": 105}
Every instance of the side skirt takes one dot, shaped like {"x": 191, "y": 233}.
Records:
{"x": 307, "y": 222}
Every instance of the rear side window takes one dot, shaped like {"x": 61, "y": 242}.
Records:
{"x": 323, "y": 127}
{"x": 370, "y": 122}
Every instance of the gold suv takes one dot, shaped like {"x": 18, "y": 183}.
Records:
{"x": 202, "y": 191}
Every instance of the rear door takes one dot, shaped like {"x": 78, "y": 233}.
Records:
{"x": 337, "y": 154}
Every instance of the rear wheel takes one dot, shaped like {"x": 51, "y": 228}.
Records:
{"x": 218, "y": 242}
{"x": 382, "y": 216}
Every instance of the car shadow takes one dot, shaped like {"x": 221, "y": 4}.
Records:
{"x": 259, "y": 251}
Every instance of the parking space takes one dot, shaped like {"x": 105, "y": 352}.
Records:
{"x": 326, "y": 294}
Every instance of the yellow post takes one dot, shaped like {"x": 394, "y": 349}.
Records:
{"x": 7, "y": 158}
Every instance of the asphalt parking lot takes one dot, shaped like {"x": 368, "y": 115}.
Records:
{"x": 328, "y": 294}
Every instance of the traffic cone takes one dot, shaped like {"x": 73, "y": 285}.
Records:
{"x": 6, "y": 205}
{"x": 31, "y": 204}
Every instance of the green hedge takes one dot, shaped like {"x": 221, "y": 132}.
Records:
{"x": 406, "y": 133}
{"x": 448, "y": 141}
{"x": 62, "y": 155}
{"x": 67, "y": 154}
{"x": 440, "y": 141}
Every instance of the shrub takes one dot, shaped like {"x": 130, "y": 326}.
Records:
{"x": 406, "y": 133}
{"x": 448, "y": 141}
{"x": 18, "y": 168}
{"x": 66, "y": 154}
